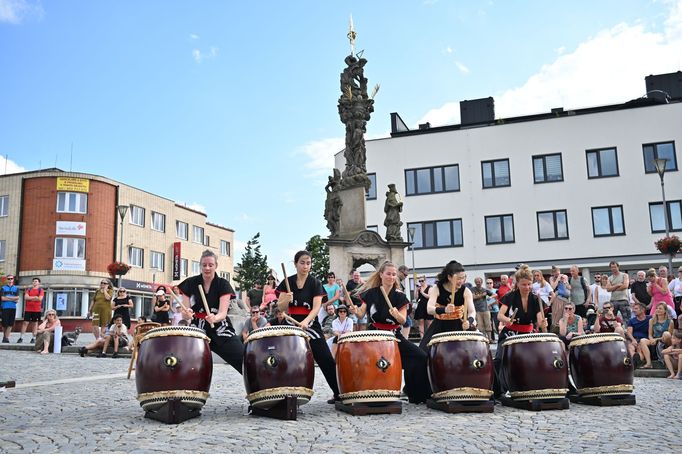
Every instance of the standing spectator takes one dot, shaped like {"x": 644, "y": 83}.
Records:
{"x": 570, "y": 325}
{"x": 254, "y": 297}
{"x": 269, "y": 295}
{"x": 638, "y": 334}
{"x": 161, "y": 306}
{"x": 580, "y": 291}
{"x": 675, "y": 288}
{"x": 403, "y": 272}
{"x": 559, "y": 284}
{"x": 480, "y": 295}
{"x": 100, "y": 308}
{"x": 659, "y": 291}
{"x": 342, "y": 324}
{"x": 328, "y": 320}
{"x": 352, "y": 285}
{"x": 118, "y": 333}
{"x": 618, "y": 284}
{"x": 601, "y": 295}
{"x": 33, "y": 299}
{"x": 504, "y": 288}
{"x": 121, "y": 306}
{"x": 639, "y": 289}
{"x": 608, "y": 322}
{"x": 674, "y": 353}
{"x": 596, "y": 282}
{"x": 493, "y": 304}
{"x": 176, "y": 307}
{"x": 423, "y": 318}
{"x": 542, "y": 289}
{"x": 256, "y": 321}
{"x": 9, "y": 295}
{"x": 333, "y": 289}
{"x": 45, "y": 335}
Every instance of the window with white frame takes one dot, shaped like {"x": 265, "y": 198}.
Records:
{"x": 495, "y": 173}
{"x": 547, "y": 168}
{"x": 602, "y": 163}
{"x": 181, "y": 230}
{"x": 137, "y": 215}
{"x": 69, "y": 248}
{"x": 224, "y": 247}
{"x": 674, "y": 214}
{"x": 608, "y": 221}
{"x": 183, "y": 267}
{"x": 198, "y": 234}
{"x": 196, "y": 268}
{"x": 435, "y": 234}
{"x": 4, "y": 206}
{"x": 158, "y": 222}
{"x": 136, "y": 257}
{"x": 157, "y": 259}
{"x": 72, "y": 202}
{"x": 552, "y": 225}
{"x": 207, "y": 240}
{"x": 499, "y": 229}
{"x": 3, "y": 250}
{"x": 224, "y": 275}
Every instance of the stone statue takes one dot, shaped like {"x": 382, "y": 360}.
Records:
{"x": 333, "y": 204}
{"x": 392, "y": 208}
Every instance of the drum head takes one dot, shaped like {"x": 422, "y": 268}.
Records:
{"x": 367, "y": 336}
{"x": 458, "y": 336}
{"x": 188, "y": 331}
{"x": 276, "y": 331}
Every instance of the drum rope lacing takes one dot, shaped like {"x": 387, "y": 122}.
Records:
{"x": 276, "y": 331}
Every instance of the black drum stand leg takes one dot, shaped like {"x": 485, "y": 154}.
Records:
{"x": 536, "y": 404}
{"x": 378, "y": 408}
{"x": 173, "y": 412}
{"x": 486, "y": 406}
{"x": 605, "y": 401}
{"x": 286, "y": 409}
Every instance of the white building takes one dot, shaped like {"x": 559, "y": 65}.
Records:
{"x": 565, "y": 187}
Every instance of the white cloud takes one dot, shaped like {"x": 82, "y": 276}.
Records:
{"x": 447, "y": 50}
{"x": 321, "y": 154}
{"x": 8, "y": 166}
{"x": 462, "y": 68}
{"x": 15, "y": 11}
{"x": 200, "y": 56}
{"x": 193, "y": 36}
{"x": 608, "y": 68}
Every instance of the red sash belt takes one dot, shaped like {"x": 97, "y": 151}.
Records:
{"x": 385, "y": 326}
{"x": 298, "y": 310}
{"x": 520, "y": 328}
{"x": 201, "y": 315}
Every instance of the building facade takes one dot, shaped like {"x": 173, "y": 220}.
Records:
{"x": 65, "y": 228}
{"x": 561, "y": 188}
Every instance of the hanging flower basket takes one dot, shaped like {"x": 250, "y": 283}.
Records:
{"x": 669, "y": 245}
{"x": 118, "y": 268}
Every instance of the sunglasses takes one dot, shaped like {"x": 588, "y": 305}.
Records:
{"x": 568, "y": 308}
{"x": 606, "y": 308}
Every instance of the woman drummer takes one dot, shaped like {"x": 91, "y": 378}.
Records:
{"x": 448, "y": 311}
{"x": 303, "y": 304}
{"x": 383, "y": 317}
{"x": 218, "y": 292}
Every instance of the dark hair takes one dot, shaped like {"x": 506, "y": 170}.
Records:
{"x": 450, "y": 269}
{"x": 300, "y": 254}
{"x": 117, "y": 316}
{"x": 613, "y": 262}
{"x": 161, "y": 287}
{"x": 36, "y": 279}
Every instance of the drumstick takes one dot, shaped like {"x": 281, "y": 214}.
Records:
{"x": 390, "y": 306}
{"x": 286, "y": 279}
{"x": 292, "y": 320}
{"x": 203, "y": 300}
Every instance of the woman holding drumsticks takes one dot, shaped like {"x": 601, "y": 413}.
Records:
{"x": 300, "y": 295}
{"x": 205, "y": 300}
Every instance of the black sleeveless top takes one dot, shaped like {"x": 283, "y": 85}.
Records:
{"x": 444, "y": 296}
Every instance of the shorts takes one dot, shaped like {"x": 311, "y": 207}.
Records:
{"x": 32, "y": 316}
{"x": 363, "y": 320}
{"x": 483, "y": 322}
{"x": 408, "y": 322}
{"x": 8, "y": 316}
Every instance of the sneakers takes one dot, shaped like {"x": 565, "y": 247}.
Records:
{"x": 82, "y": 351}
{"x": 33, "y": 340}
{"x": 20, "y": 340}
{"x": 5, "y": 340}
{"x": 101, "y": 355}
{"x": 115, "y": 355}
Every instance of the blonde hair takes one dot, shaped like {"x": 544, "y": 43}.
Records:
{"x": 524, "y": 273}
{"x": 375, "y": 279}
{"x": 667, "y": 316}
{"x": 542, "y": 277}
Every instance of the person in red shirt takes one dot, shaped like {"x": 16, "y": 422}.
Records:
{"x": 505, "y": 287}
{"x": 33, "y": 307}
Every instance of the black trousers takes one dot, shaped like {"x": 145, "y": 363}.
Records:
{"x": 323, "y": 357}
{"x": 230, "y": 349}
{"x": 414, "y": 359}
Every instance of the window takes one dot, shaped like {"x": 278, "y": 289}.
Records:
{"x": 371, "y": 193}
{"x": 183, "y": 267}
{"x": 158, "y": 221}
{"x": 3, "y": 250}
{"x": 4, "y": 206}
{"x": 224, "y": 275}
{"x": 207, "y": 240}
{"x": 664, "y": 150}
{"x": 602, "y": 163}
{"x": 432, "y": 180}
{"x": 181, "y": 230}
{"x": 435, "y": 234}
{"x": 72, "y": 202}
{"x": 496, "y": 173}
{"x": 373, "y": 228}
{"x": 198, "y": 234}
{"x": 136, "y": 257}
{"x": 224, "y": 247}
{"x": 69, "y": 248}
{"x": 547, "y": 168}
{"x": 137, "y": 215}
{"x": 674, "y": 213}
{"x": 157, "y": 259}
{"x": 552, "y": 225}
{"x": 499, "y": 229}
{"x": 608, "y": 221}
{"x": 196, "y": 269}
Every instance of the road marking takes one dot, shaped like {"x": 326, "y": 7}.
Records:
{"x": 64, "y": 381}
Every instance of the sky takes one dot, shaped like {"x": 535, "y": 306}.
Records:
{"x": 231, "y": 107}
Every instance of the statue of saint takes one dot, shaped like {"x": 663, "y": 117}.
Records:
{"x": 393, "y": 207}
{"x": 333, "y": 204}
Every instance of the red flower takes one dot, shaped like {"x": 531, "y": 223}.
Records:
{"x": 117, "y": 268}
{"x": 669, "y": 245}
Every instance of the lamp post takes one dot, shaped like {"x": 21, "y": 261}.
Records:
{"x": 660, "y": 169}
{"x": 122, "y": 210}
{"x": 410, "y": 237}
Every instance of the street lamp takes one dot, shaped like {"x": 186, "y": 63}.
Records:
{"x": 660, "y": 164}
{"x": 122, "y": 210}
{"x": 410, "y": 237}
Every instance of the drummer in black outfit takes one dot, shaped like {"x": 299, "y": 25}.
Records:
{"x": 449, "y": 316}
{"x": 528, "y": 309}
{"x": 413, "y": 359}
{"x": 218, "y": 292}
{"x": 303, "y": 305}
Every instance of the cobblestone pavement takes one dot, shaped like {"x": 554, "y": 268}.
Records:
{"x": 64, "y": 403}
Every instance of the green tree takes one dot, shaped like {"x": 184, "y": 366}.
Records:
{"x": 253, "y": 266}
{"x": 320, "y": 254}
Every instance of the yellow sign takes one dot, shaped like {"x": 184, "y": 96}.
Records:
{"x": 73, "y": 184}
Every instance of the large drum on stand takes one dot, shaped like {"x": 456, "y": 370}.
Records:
{"x": 600, "y": 365}
{"x": 534, "y": 367}
{"x": 173, "y": 362}
{"x": 278, "y": 363}
{"x": 460, "y": 367}
{"x": 368, "y": 367}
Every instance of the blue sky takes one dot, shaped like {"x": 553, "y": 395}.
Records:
{"x": 231, "y": 106}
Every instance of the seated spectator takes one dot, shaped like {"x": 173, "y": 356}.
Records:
{"x": 660, "y": 330}
{"x": 256, "y": 321}
{"x": 142, "y": 319}
{"x": 638, "y": 335}
{"x": 328, "y": 320}
{"x": 674, "y": 353}
{"x": 118, "y": 333}
{"x": 342, "y": 324}
{"x": 570, "y": 325}
{"x": 589, "y": 321}
{"x": 278, "y": 319}
{"x": 608, "y": 322}
{"x": 45, "y": 336}
{"x": 99, "y": 342}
